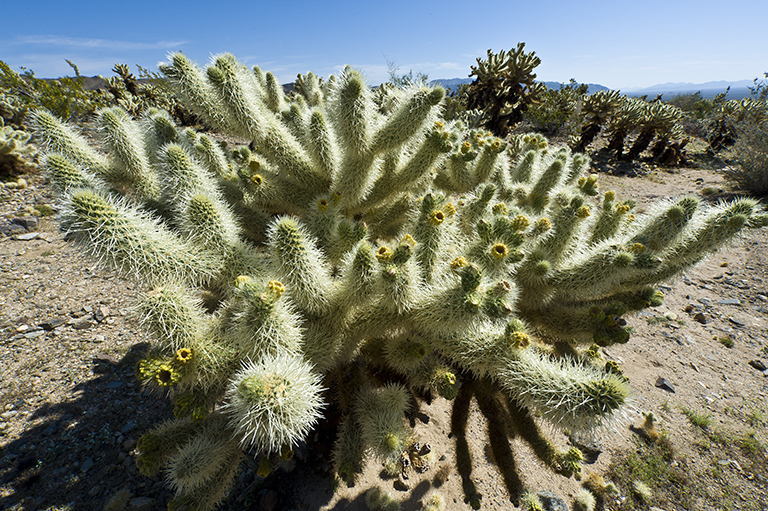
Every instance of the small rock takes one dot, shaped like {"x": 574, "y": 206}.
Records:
{"x": 736, "y": 321}
{"x": 670, "y": 316}
{"x": 50, "y": 430}
{"x": 101, "y": 313}
{"x": 401, "y": 484}
{"x": 700, "y": 317}
{"x": 762, "y": 298}
{"x": 552, "y": 502}
{"x": 664, "y": 384}
{"x": 28, "y": 236}
{"x": 95, "y": 491}
{"x": 729, "y": 301}
{"x": 10, "y": 229}
{"x": 756, "y": 363}
{"x": 268, "y": 501}
{"x": 9, "y": 414}
{"x": 30, "y": 223}
{"x": 50, "y": 324}
{"x": 130, "y": 444}
{"x": 128, "y": 428}
{"x": 107, "y": 358}
{"x": 141, "y": 504}
{"x": 87, "y": 465}
{"x": 114, "y": 384}
{"x": 34, "y": 334}
{"x": 81, "y": 324}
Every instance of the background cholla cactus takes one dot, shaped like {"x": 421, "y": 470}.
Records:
{"x": 16, "y": 153}
{"x": 365, "y": 256}
{"x": 597, "y": 108}
{"x": 505, "y": 88}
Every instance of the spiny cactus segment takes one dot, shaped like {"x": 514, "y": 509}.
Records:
{"x": 361, "y": 258}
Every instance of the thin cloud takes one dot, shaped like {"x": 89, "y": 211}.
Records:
{"x": 82, "y": 42}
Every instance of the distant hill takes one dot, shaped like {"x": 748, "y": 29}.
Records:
{"x": 451, "y": 83}
{"x": 708, "y": 90}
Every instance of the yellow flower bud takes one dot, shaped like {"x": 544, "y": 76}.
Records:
{"x": 610, "y": 195}
{"x": 520, "y": 222}
{"x": 500, "y": 209}
{"x": 520, "y": 340}
{"x": 543, "y": 224}
{"x": 583, "y": 212}
{"x": 242, "y": 280}
{"x": 276, "y": 288}
{"x": 637, "y": 248}
{"x": 257, "y": 179}
{"x": 449, "y": 209}
{"x": 459, "y": 262}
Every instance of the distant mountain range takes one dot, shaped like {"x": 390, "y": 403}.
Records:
{"x": 451, "y": 83}
{"x": 739, "y": 89}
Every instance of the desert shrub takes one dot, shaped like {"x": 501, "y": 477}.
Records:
{"x": 64, "y": 97}
{"x": 750, "y": 154}
{"x": 557, "y": 109}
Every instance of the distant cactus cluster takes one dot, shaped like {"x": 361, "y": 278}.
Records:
{"x": 366, "y": 255}
{"x": 621, "y": 116}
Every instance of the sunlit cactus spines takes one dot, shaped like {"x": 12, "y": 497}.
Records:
{"x": 365, "y": 255}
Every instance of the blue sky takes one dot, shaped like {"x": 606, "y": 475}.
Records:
{"x": 622, "y": 45}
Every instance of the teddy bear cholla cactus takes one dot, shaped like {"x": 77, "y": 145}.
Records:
{"x": 367, "y": 253}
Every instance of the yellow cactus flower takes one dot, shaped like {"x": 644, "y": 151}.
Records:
{"x": 499, "y": 251}
{"x": 465, "y": 147}
{"x": 322, "y": 205}
{"x": 408, "y": 240}
{"x": 183, "y": 356}
{"x": 257, "y": 179}
{"x": 166, "y": 375}
{"x": 383, "y": 254}
{"x": 437, "y": 218}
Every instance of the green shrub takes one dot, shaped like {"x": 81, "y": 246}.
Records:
{"x": 750, "y": 153}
